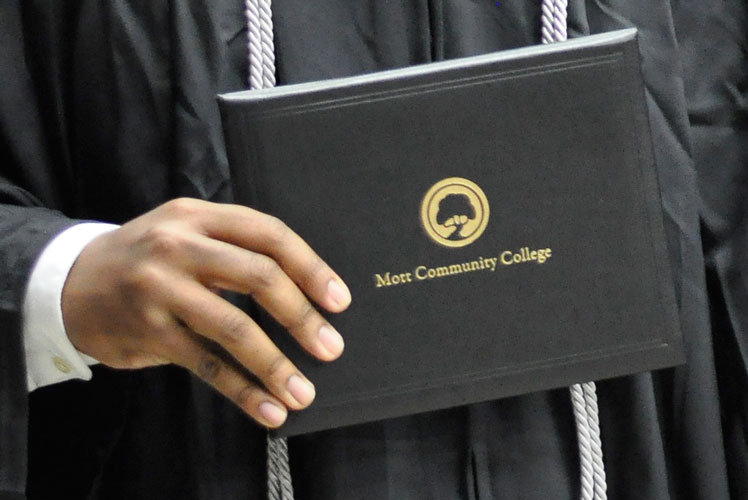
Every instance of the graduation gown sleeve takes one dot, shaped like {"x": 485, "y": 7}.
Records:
{"x": 29, "y": 194}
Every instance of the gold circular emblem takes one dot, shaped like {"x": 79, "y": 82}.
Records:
{"x": 454, "y": 212}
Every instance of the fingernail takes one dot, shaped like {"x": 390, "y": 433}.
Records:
{"x": 273, "y": 414}
{"x": 338, "y": 293}
{"x": 331, "y": 340}
{"x": 301, "y": 390}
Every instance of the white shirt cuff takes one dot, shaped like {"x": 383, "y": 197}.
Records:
{"x": 50, "y": 356}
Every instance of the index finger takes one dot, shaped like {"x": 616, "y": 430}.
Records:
{"x": 262, "y": 233}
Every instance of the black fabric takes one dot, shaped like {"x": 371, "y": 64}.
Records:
{"x": 107, "y": 110}
{"x": 713, "y": 42}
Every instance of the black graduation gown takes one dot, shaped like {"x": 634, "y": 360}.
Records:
{"x": 107, "y": 109}
{"x": 713, "y": 42}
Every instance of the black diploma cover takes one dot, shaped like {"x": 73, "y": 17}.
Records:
{"x": 497, "y": 219}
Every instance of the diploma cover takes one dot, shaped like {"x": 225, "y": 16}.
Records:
{"x": 497, "y": 219}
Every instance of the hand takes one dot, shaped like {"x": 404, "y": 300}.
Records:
{"x": 143, "y": 295}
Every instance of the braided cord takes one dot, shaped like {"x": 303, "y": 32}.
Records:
{"x": 278, "y": 470}
{"x": 260, "y": 43}
{"x": 266, "y": 43}
{"x": 593, "y": 419}
{"x": 254, "y": 46}
{"x": 547, "y": 9}
{"x": 553, "y": 21}
{"x": 261, "y": 50}
{"x": 583, "y": 396}
{"x": 587, "y": 476}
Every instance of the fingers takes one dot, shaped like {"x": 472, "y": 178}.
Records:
{"x": 194, "y": 355}
{"x": 204, "y": 246}
{"x": 269, "y": 236}
{"x": 262, "y": 278}
{"x": 214, "y": 318}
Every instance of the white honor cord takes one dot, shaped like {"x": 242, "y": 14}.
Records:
{"x": 583, "y": 396}
{"x": 262, "y": 75}
{"x": 260, "y": 43}
{"x": 278, "y": 469}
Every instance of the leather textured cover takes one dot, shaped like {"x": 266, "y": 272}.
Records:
{"x": 497, "y": 219}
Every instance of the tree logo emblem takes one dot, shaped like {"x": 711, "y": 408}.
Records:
{"x": 454, "y": 212}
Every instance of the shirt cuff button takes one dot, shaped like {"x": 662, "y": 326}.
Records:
{"x": 61, "y": 364}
